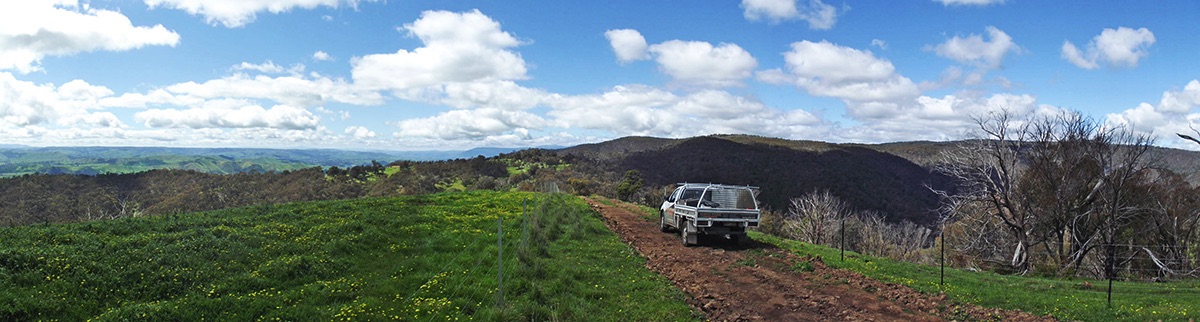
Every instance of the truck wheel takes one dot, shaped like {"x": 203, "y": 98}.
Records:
{"x": 687, "y": 231}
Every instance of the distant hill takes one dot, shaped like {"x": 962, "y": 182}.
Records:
{"x": 1183, "y": 162}
{"x": 619, "y": 147}
{"x": 865, "y": 178}
{"x": 18, "y": 160}
{"x": 891, "y": 178}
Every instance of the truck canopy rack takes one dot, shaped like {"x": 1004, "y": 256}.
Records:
{"x": 714, "y": 185}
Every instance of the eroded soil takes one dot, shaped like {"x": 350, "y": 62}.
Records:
{"x": 759, "y": 282}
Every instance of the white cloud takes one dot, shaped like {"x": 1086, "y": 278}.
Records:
{"x": 321, "y": 56}
{"x": 969, "y": 2}
{"x": 359, "y": 132}
{"x": 1181, "y": 101}
{"x": 25, "y": 104}
{"x": 289, "y": 90}
{"x": 819, "y": 15}
{"x": 32, "y": 30}
{"x": 470, "y": 124}
{"x": 722, "y": 112}
{"x": 237, "y": 13}
{"x": 627, "y": 44}
{"x": 494, "y": 94}
{"x": 624, "y": 110}
{"x": 642, "y": 110}
{"x": 974, "y": 50}
{"x": 931, "y": 118}
{"x": 879, "y": 43}
{"x": 1173, "y": 114}
{"x": 700, "y": 63}
{"x": 1121, "y": 47}
{"x": 268, "y": 67}
{"x": 342, "y": 115}
{"x": 854, "y": 76}
{"x": 216, "y": 116}
{"x": 1075, "y": 57}
{"x": 459, "y": 47}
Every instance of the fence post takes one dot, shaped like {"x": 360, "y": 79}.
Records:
{"x": 524, "y": 224}
{"x": 843, "y": 233}
{"x": 500, "y": 259}
{"x": 942, "y": 236}
{"x": 1112, "y": 270}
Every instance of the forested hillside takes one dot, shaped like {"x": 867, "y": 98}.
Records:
{"x": 18, "y": 160}
{"x": 59, "y": 198}
{"x": 867, "y": 179}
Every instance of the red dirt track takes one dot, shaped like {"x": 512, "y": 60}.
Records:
{"x": 756, "y": 282}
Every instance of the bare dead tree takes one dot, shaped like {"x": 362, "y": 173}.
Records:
{"x": 1125, "y": 163}
{"x": 988, "y": 170}
{"x": 1189, "y": 137}
{"x": 814, "y": 217}
{"x": 1061, "y": 185}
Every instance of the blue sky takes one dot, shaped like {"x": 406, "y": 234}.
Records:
{"x": 422, "y": 75}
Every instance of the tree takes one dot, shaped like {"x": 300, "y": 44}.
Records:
{"x": 1189, "y": 137}
{"x": 988, "y": 170}
{"x": 629, "y": 185}
{"x": 1064, "y": 184}
{"x": 814, "y": 217}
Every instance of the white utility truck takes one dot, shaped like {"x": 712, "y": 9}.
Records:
{"x": 709, "y": 209}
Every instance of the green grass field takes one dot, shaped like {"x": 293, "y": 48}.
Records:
{"x": 431, "y": 257}
{"x": 1065, "y": 299}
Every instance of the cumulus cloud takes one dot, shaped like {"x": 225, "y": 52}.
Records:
{"x": 224, "y": 116}
{"x": 819, "y": 15}
{"x": 321, "y": 56}
{"x": 1173, "y": 114}
{"x": 624, "y": 110}
{"x": 879, "y": 43}
{"x": 268, "y": 67}
{"x": 722, "y": 112}
{"x": 973, "y": 49}
{"x": 471, "y": 124}
{"x": 949, "y": 117}
{"x": 32, "y": 30}
{"x": 1121, "y": 47}
{"x": 701, "y": 63}
{"x": 74, "y": 113}
{"x": 1181, "y": 101}
{"x": 359, "y": 132}
{"x": 459, "y": 47}
{"x": 237, "y": 13}
{"x": 855, "y": 76}
{"x": 293, "y": 90}
{"x": 642, "y": 110}
{"x": 969, "y": 2}
{"x": 627, "y": 44}
{"x": 74, "y": 103}
{"x": 506, "y": 95}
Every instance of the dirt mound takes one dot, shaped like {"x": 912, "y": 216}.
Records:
{"x": 759, "y": 282}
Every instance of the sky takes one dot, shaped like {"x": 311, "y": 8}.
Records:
{"x": 454, "y": 75}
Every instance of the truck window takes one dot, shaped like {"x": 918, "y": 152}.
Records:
{"x": 691, "y": 194}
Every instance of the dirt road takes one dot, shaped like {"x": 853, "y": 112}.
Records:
{"x": 759, "y": 282}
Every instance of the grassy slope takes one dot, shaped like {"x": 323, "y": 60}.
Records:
{"x": 412, "y": 258}
{"x": 1065, "y": 299}
{"x": 1062, "y": 298}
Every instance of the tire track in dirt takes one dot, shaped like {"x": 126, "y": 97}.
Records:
{"x": 758, "y": 282}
